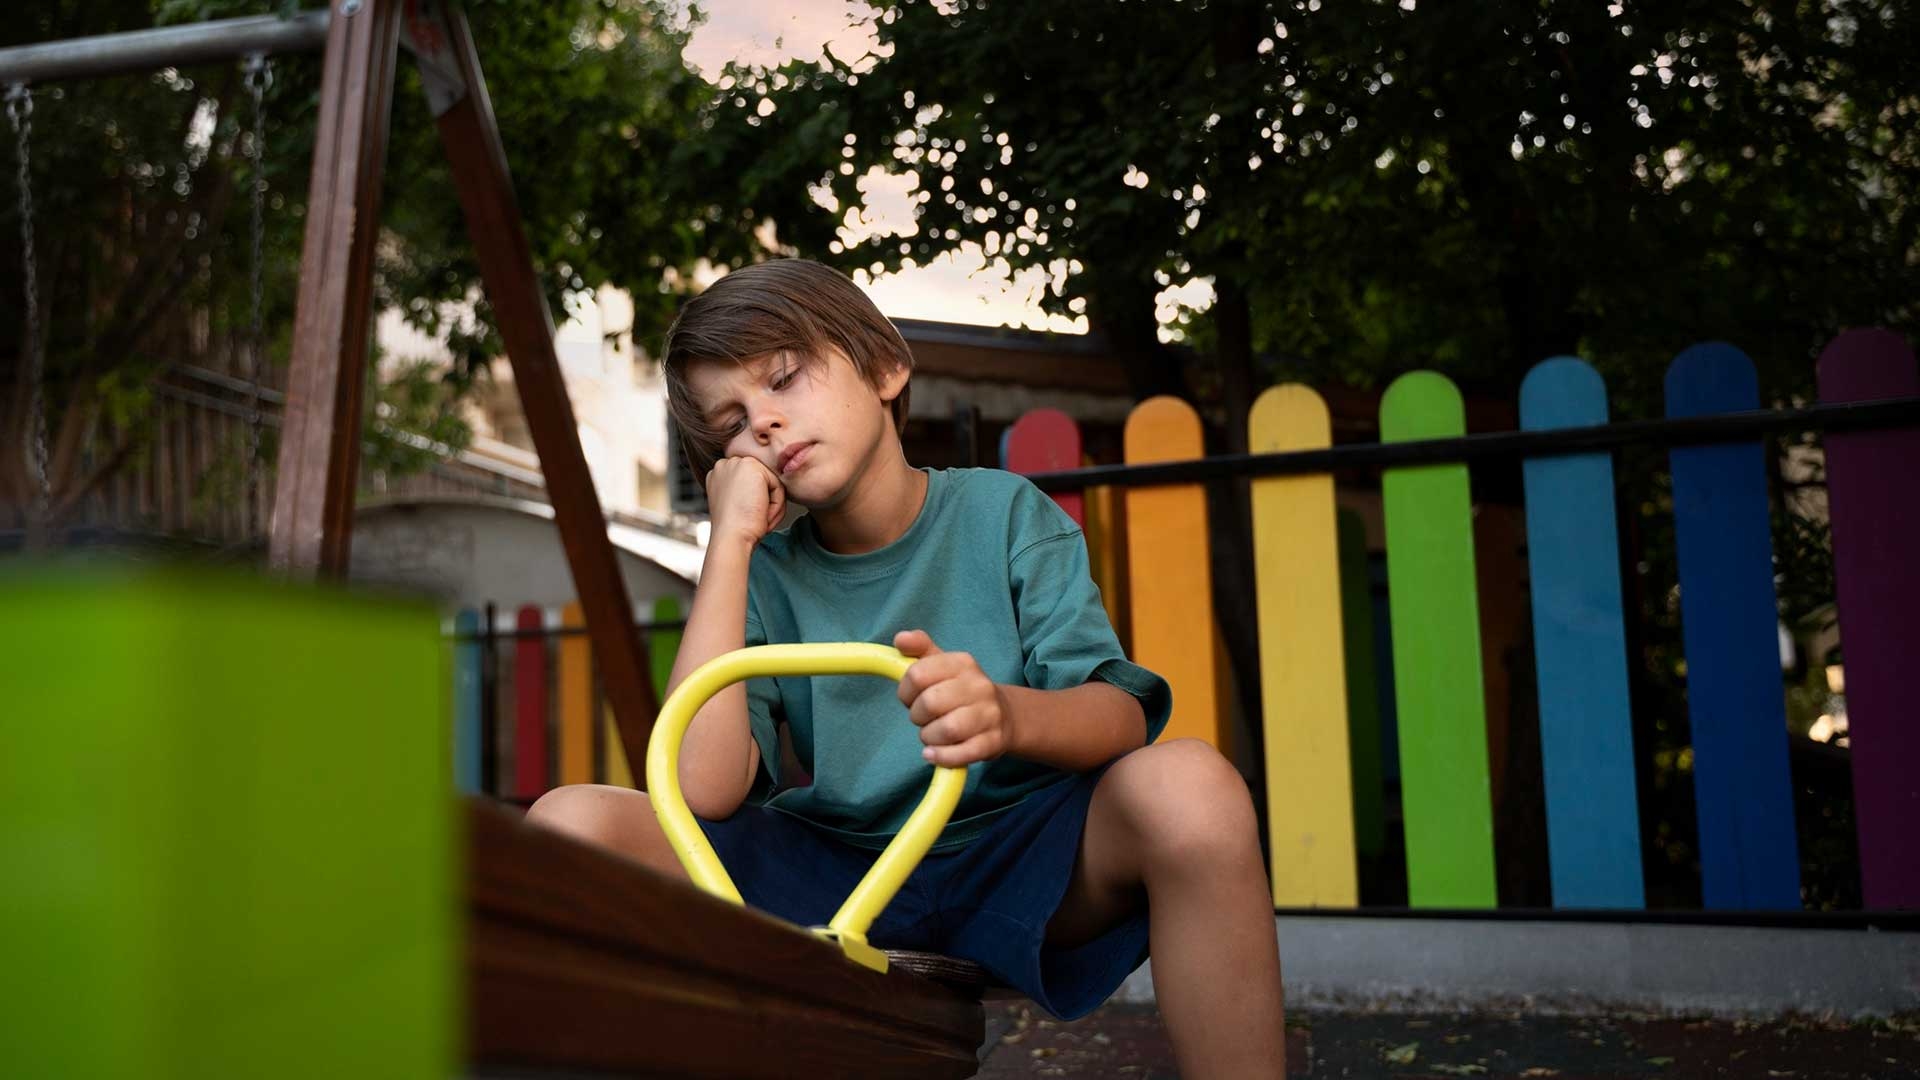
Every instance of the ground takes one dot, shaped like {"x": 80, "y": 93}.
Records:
{"x": 1127, "y": 1041}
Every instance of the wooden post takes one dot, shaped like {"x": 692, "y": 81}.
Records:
{"x": 311, "y": 532}
{"x": 457, "y": 92}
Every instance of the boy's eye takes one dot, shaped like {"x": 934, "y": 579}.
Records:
{"x": 781, "y": 380}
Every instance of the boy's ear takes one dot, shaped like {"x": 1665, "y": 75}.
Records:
{"x": 893, "y": 382}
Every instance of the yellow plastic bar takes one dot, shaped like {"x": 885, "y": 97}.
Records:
{"x": 869, "y": 898}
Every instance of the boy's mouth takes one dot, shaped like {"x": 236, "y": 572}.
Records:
{"x": 795, "y": 456}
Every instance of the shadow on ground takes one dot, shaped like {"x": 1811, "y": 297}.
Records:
{"x": 1128, "y": 1041}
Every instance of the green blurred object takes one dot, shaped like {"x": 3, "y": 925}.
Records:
{"x": 226, "y": 828}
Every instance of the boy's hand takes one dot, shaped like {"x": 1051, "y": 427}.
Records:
{"x": 962, "y": 715}
{"x": 744, "y": 499}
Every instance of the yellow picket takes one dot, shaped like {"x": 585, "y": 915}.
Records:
{"x": 1302, "y": 660}
{"x": 614, "y": 758}
{"x": 1169, "y": 572}
{"x": 1106, "y": 553}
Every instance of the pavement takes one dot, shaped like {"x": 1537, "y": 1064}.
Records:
{"x": 1129, "y": 1041}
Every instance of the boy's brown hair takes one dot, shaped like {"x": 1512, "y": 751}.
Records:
{"x": 795, "y": 306}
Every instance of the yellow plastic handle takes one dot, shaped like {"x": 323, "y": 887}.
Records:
{"x": 848, "y": 927}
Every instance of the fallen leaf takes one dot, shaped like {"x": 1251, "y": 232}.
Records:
{"x": 1663, "y": 1062}
{"x": 1460, "y": 1070}
{"x": 1538, "y": 1070}
{"x": 1403, "y": 1055}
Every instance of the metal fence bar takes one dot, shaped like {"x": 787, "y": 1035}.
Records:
{"x": 1890, "y": 413}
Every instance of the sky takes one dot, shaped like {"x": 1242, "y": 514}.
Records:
{"x": 962, "y": 287}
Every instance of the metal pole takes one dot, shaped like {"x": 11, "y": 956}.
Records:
{"x": 167, "y": 46}
{"x": 1684, "y": 431}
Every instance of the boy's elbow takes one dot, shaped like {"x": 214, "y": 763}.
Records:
{"x": 713, "y": 797}
{"x": 710, "y": 807}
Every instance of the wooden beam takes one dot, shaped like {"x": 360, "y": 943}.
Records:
{"x": 581, "y": 960}
{"x": 311, "y": 533}
{"x": 485, "y": 188}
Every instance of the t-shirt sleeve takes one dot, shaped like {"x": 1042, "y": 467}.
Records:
{"x": 763, "y": 716}
{"x": 1065, "y": 637}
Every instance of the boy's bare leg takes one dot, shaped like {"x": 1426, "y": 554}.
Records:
{"x": 1176, "y": 820}
{"x": 616, "y": 818}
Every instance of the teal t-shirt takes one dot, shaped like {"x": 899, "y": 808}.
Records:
{"x": 991, "y": 567}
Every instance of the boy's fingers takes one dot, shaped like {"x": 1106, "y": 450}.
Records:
{"x": 915, "y": 643}
{"x": 929, "y": 672}
{"x": 943, "y": 697}
{"x": 982, "y": 747}
{"x": 953, "y": 728}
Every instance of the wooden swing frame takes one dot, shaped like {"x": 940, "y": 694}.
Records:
{"x": 576, "y": 959}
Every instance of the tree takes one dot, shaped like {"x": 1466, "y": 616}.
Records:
{"x": 1376, "y": 186}
{"x": 141, "y": 186}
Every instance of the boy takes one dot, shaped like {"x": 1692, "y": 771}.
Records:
{"x": 1078, "y": 839}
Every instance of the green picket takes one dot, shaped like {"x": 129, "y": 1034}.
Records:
{"x": 1440, "y": 701}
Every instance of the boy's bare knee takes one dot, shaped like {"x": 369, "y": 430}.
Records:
{"x": 590, "y": 812}
{"x": 1201, "y": 811}
{"x": 617, "y": 819}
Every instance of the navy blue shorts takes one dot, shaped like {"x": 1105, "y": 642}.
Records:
{"x": 988, "y": 902}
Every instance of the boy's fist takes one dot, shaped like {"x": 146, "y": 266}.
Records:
{"x": 962, "y": 715}
{"x": 744, "y": 499}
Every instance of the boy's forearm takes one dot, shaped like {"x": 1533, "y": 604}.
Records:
{"x": 1076, "y": 729}
{"x": 718, "y": 758}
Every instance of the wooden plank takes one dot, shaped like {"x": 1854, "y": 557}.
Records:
{"x": 1047, "y": 440}
{"x": 530, "y": 758}
{"x": 575, "y": 680}
{"x": 312, "y": 529}
{"x": 581, "y": 960}
{"x": 1296, "y": 560}
{"x": 1445, "y": 793}
{"x": 468, "y": 729}
{"x": 1876, "y": 556}
{"x": 1580, "y": 649}
{"x": 1170, "y": 577}
{"x": 1363, "y": 686}
{"x": 1749, "y": 854}
{"x": 479, "y": 164}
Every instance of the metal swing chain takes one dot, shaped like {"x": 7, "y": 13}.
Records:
{"x": 20, "y": 113}
{"x": 259, "y": 77}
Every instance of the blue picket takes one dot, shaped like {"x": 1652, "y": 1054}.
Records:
{"x": 1580, "y": 647}
{"x": 466, "y": 701}
{"x": 1749, "y": 856}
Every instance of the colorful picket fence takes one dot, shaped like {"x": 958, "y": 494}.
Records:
{"x": 557, "y": 729}
{"x": 1321, "y": 722}
{"x": 1322, "y": 694}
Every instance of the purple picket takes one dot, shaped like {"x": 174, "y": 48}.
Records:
{"x": 1876, "y": 539}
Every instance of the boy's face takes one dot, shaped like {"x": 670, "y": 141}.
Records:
{"x": 816, "y": 424}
